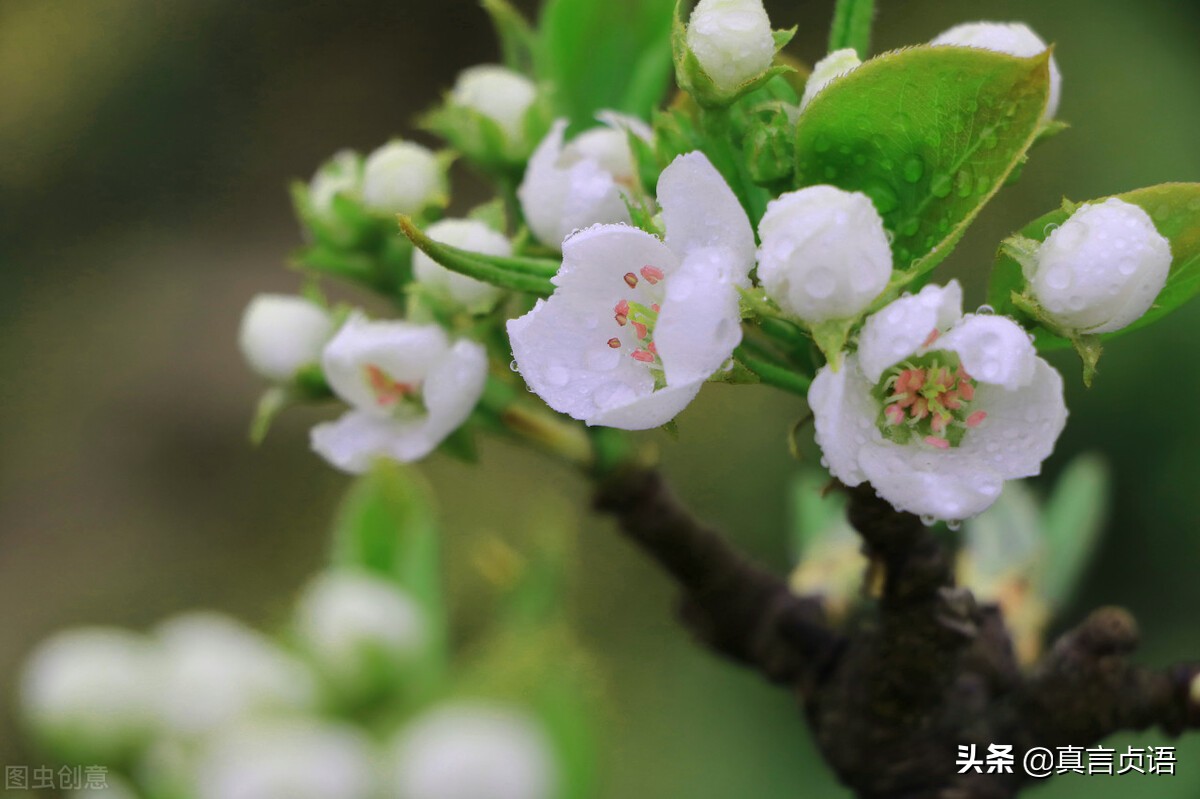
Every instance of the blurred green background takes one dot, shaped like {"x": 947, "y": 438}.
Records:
{"x": 145, "y": 148}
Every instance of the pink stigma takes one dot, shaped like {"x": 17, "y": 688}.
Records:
{"x": 652, "y": 274}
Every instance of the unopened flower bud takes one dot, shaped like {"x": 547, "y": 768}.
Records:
{"x": 832, "y": 66}
{"x": 402, "y": 178}
{"x": 353, "y": 625}
{"x": 732, "y": 41}
{"x": 340, "y": 175}
{"x": 281, "y": 334}
{"x": 473, "y": 751}
{"x": 1102, "y": 269}
{"x": 466, "y": 234}
{"x": 1014, "y": 38}
{"x": 497, "y": 93}
{"x": 824, "y": 253}
{"x": 90, "y": 694}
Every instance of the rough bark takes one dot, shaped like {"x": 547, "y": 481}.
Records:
{"x": 924, "y": 670}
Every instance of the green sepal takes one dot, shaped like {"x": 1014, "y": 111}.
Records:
{"x": 528, "y": 275}
{"x": 307, "y": 386}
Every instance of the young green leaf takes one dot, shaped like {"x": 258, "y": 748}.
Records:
{"x": 518, "y": 42}
{"x": 929, "y": 134}
{"x": 529, "y": 275}
{"x": 1073, "y": 520}
{"x": 1175, "y": 211}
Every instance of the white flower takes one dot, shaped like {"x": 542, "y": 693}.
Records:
{"x": 281, "y": 334}
{"x": 732, "y": 40}
{"x": 834, "y": 65}
{"x": 566, "y": 188}
{"x": 296, "y": 760}
{"x": 216, "y": 671}
{"x": 825, "y": 254}
{"x": 473, "y": 295}
{"x": 936, "y": 410}
{"x": 636, "y": 326}
{"x": 91, "y": 693}
{"x": 340, "y": 175}
{"x": 408, "y": 387}
{"x": 498, "y": 93}
{"x": 402, "y": 178}
{"x": 1102, "y": 269}
{"x": 1014, "y": 38}
{"x": 351, "y": 623}
{"x": 473, "y": 751}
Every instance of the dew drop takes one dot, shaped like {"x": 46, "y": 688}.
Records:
{"x": 513, "y": 365}
{"x": 927, "y": 520}
{"x": 940, "y": 185}
{"x": 985, "y": 310}
{"x": 884, "y": 197}
{"x": 1050, "y": 228}
{"x": 954, "y": 525}
{"x": 914, "y": 168}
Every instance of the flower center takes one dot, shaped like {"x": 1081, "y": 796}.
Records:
{"x": 399, "y": 398}
{"x": 636, "y": 317}
{"x": 928, "y": 398}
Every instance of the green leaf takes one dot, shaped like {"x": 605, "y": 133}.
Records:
{"x": 930, "y": 134}
{"x": 852, "y": 26}
{"x": 1073, "y": 520}
{"x": 1175, "y": 210}
{"x": 518, "y": 42}
{"x": 595, "y": 63}
{"x": 529, "y": 275}
{"x": 387, "y": 527}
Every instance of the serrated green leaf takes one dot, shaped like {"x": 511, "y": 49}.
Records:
{"x": 929, "y": 133}
{"x": 528, "y": 275}
{"x": 1073, "y": 520}
{"x": 1175, "y": 210}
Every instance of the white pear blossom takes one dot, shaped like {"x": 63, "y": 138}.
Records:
{"x": 350, "y": 623}
{"x": 635, "y": 325}
{"x": 402, "y": 177}
{"x": 215, "y": 672}
{"x": 497, "y": 93}
{"x": 91, "y": 692}
{"x": 732, "y": 40}
{"x": 936, "y": 409}
{"x": 340, "y": 175}
{"x": 1014, "y": 38}
{"x": 584, "y": 182}
{"x": 1102, "y": 269}
{"x": 832, "y": 66}
{"x": 280, "y": 334}
{"x": 296, "y": 760}
{"x": 825, "y": 254}
{"x": 408, "y": 386}
{"x": 473, "y": 751}
{"x": 473, "y": 295}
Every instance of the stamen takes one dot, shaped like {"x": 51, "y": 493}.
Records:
{"x": 652, "y": 274}
{"x": 631, "y": 280}
{"x": 644, "y": 356}
{"x": 640, "y": 329}
{"x": 975, "y": 419}
{"x": 939, "y": 443}
{"x": 615, "y": 343}
{"x": 894, "y": 413}
{"x": 933, "y": 336}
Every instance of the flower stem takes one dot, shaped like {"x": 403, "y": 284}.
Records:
{"x": 852, "y": 26}
{"x": 773, "y": 375}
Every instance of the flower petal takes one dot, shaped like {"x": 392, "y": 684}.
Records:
{"x": 453, "y": 389}
{"x": 647, "y": 411}
{"x": 944, "y": 484}
{"x": 356, "y": 440}
{"x": 844, "y": 417}
{"x": 700, "y": 211}
{"x": 406, "y": 352}
{"x": 899, "y": 330}
{"x": 993, "y": 349}
{"x": 700, "y": 322}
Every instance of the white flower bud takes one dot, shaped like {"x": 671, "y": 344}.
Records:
{"x": 824, "y": 253}
{"x": 216, "y": 672}
{"x": 473, "y": 751}
{"x": 832, "y": 66}
{"x": 90, "y": 694}
{"x": 732, "y": 40}
{"x": 1014, "y": 38}
{"x": 1102, "y": 269}
{"x": 351, "y": 624}
{"x": 497, "y": 93}
{"x": 297, "y": 760}
{"x": 342, "y": 175}
{"x": 402, "y": 178}
{"x": 281, "y": 334}
{"x": 466, "y": 234}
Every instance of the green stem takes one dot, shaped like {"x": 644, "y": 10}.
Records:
{"x": 773, "y": 375}
{"x": 852, "y": 26}
{"x": 506, "y": 273}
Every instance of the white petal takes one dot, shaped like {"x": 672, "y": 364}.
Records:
{"x": 280, "y": 334}
{"x": 992, "y": 349}
{"x": 452, "y": 390}
{"x": 618, "y": 121}
{"x": 356, "y": 440}
{"x": 647, "y": 411}
{"x": 844, "y": 415}
{"x": 701, "y": 211}
{"x": 899, "y": 329}
{"x": 1021, "y": 427}
{"x": 406, "y": 352}
{"x": 944, "y": 484}
{"x": 828, "y": 69}
{"x": 1014, "y": 38}
{"x": 596, "y": 260}
{"x": 700, "y": 322}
